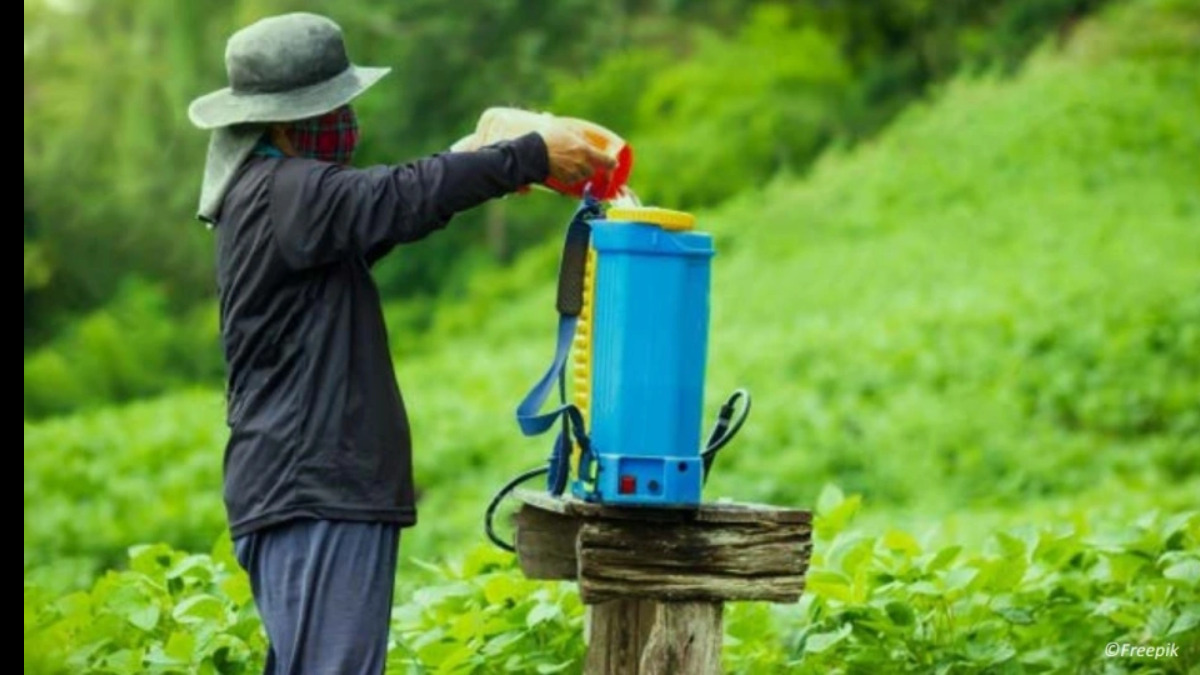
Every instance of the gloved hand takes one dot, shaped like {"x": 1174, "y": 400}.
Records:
{"x": 572, "y": 158}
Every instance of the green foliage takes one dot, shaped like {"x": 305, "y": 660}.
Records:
{"x": 717, "y": 96}
{"x": 709, "y": 126}
{"x": 170, "y": 612}
{"x": 111, "y": 166}
{"x": 133, "y": 347}
{"x": 1042, "y": 598}
{"x": 98, "y": 483}
{"x": 173, "y": 612}
{"x": 482, "y": 615}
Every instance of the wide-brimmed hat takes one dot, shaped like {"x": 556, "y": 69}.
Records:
{"x": 281, "y": 69}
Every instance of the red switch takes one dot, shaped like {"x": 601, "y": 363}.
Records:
{"x": 627, "y": 485}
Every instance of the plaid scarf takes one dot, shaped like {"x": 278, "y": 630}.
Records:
{"x": 328, "y": 138}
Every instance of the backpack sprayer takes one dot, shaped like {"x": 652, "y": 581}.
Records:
{"x": 633, "y": 300}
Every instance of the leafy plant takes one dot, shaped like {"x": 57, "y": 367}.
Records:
{"x": 482, "y": 615}
{"x": 1039, "y": 598}
{"x": 1034, "y": 598}
{"x": 170, "y": 612}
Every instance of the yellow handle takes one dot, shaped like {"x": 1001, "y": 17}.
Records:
{"x": 676, "y": 221}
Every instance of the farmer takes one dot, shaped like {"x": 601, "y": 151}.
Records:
{"x": 318, "y": 470}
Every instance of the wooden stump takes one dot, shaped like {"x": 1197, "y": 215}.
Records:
{"x": 656, "y": 580}
{"x": 686, "y": 638}
{"x": 623, "y": 627}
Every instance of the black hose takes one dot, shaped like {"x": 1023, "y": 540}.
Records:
{"x": 726, "y": 427}
{"x": 490, "y": 515}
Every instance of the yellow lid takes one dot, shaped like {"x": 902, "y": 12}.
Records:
{"x": 667, "y": 219}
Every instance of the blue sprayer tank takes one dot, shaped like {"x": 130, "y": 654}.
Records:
{"x": 638, "y": 359}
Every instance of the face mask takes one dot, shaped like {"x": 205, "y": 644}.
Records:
{"x": 328, "y": 138}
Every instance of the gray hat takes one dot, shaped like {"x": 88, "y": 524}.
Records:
{"x": 281, "y": 69}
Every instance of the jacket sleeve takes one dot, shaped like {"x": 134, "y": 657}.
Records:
{"x": 324, "y": 212}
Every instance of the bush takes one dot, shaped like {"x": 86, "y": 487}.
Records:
{"x": 97, "y": 483}
{"x": 133, "y": 347}
{"x": 1042, "y": 598}
{"x": 170, "y": 612}
{"x": 734, "y": 113}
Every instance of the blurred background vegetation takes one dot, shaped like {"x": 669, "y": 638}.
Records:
{"x": 716, "y": 97}
{"x": 957, "y": 266}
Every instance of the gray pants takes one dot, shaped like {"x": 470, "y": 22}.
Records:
{"x": 324, "y": 591}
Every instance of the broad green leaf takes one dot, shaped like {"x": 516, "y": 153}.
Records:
{"x": 124, "y": 662}
{"x": 437, "y": 652}
{"x": 75, "y": 604}
{"x": 1055, "y": 549}
{"x": 989, "y": 653}
{"x": 499, "y": 643}
{"x": 1188, "y": 619}
{"x": 1159, "y": 620}
{"x": 181, "y": 646}
{"x": 924, "y": 588}
{"x": 79, "y": 658}
{"x": 959, "y": 578}
{"x": 456, "y": 659}
{"x": 465, "y": 626}
{"x": 901, "y": 542}
{"x": 1016, "y": 615}
{"x": 900, "y": 613}
{"x": 150, "y": 559}
{"x": 1187, "y": 571}
{"x": 429, "y": 567}
{"x": 1184, "y": 523}
{"x": 222, "y": 553}
{"x": 236, "y": 587}
{"x": 815, "y": 643}
{"x": 227, "y": 653}
{"x": 501, "y": 587}
{"x": 541, "y": 613}
{"x": 830, "y": 498}
{"x": 132, "y": 602}
{"x": 848, "y": 553}
{"x": 193, "y": 567}
{"x": 199, "y": 608}
{"x": 834, "y": 521}
{"x": 1006, "y": 574}
{"x": 432, "y": 595}
{"x": 499, "y": 622}
{"x": 830, "y": 584}
{"x": 1010, "y": 547}
{"x": 943, "y": 558}
{"x": 1122, "y": 568}
{"x": 484, "y": 559}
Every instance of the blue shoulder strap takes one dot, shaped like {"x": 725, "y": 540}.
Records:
{"x": 569, "y": 303}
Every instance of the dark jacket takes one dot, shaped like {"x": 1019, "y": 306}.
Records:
{"x": 318, "y": 427}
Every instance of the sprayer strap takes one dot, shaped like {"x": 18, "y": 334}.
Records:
{"x": 569, "y": 304}
{"x": 532, "y": 423}
{"x": 572, "y": 268}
